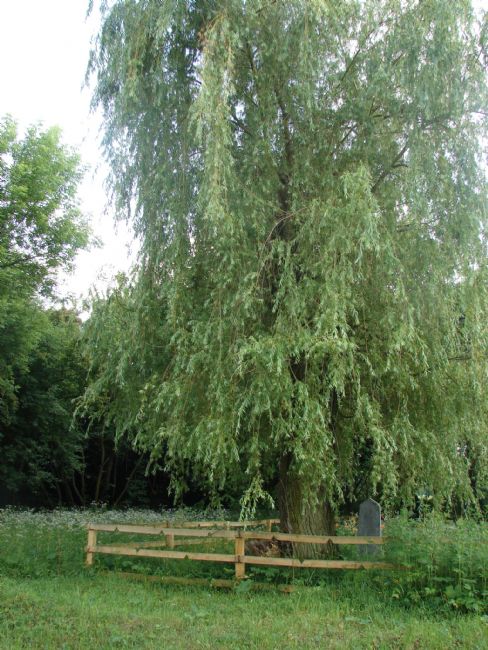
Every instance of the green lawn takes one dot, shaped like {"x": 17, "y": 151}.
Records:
{"x": 49, "y": 600}
{"x": 99, "y": 611}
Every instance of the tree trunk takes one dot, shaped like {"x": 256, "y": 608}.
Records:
{"x": 100, "y": 471}
{"x": 300, "y": 515}
{"x": 128, "y": 481}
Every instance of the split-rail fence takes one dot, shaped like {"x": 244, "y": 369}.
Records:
{"x": 171, "y": 536}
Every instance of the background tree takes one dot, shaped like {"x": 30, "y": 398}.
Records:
{"x": 41, "y": 226}
{"x": 41, "y": 229}
{"x": 308, "y": 184}
{"x": 48, "y": 457}
{"x": 39, "y": 445}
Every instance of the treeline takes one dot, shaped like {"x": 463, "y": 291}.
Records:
{"x": 51, "y": 453}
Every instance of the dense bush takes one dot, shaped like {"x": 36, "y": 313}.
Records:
{"x": 446, "y": 562}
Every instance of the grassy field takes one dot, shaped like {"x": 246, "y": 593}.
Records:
{"x": 49, "y": 600}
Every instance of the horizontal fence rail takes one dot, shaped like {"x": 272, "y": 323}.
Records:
{"x": 201, "y": 532}
{"x": 232, "y": 524}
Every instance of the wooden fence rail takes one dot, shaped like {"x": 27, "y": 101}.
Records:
{"x": 200, "y": 532}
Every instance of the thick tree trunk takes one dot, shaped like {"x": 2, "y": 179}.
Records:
{"x": 299, "y": 514}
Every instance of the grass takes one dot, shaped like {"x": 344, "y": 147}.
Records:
{"x": 49, "y": 600}
{"x": 109, "y": 612}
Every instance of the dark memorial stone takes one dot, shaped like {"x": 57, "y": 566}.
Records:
{"x": 369, "y": 525}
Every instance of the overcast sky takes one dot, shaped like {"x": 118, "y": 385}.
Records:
{"x": 44, "y": 47}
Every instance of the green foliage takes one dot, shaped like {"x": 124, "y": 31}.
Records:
{"x": 40, "y": 445}
{"x": 41, "y": 229}
{"x": 123, "y": 348}
{"x": 307, "y": 181}
{"x": 48, "y": 456}
{"x": 447, "y": 563}
{"x": 48, "y": 543}
{"x": 21, "y": 323}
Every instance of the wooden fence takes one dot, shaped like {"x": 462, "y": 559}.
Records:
{"x": 199, "y": 532}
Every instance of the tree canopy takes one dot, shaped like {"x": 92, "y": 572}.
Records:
{"x": 40, "y": 448}
{"x": 41, "y": 226}
{"x": 307, "y": 181}
{"x": 41, "y": 230}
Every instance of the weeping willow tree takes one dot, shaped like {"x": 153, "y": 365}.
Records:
{"x": 307, "y": 181}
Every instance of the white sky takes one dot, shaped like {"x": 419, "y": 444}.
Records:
{"x": 44, "y": 47}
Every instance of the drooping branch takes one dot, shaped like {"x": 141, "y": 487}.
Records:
{"x": 393, "y": 165}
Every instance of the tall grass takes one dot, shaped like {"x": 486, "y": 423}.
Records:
{"x": 445, "y": 563}
{"x": 46, "y": 543}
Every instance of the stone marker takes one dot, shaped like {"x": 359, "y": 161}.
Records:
{"x": 369, "y": 525}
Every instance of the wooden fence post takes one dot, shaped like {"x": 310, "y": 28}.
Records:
{"x": 170, "y": 540}
{"x": 269, "y": 525}
{"x": 240, "y": 551}
{"x": 92, "y": 541}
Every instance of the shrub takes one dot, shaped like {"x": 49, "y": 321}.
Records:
{"x": 446, "y": 562}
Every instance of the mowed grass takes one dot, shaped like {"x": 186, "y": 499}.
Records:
{"x": 49, "y": 600}
{"x": 98, "y": 611}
